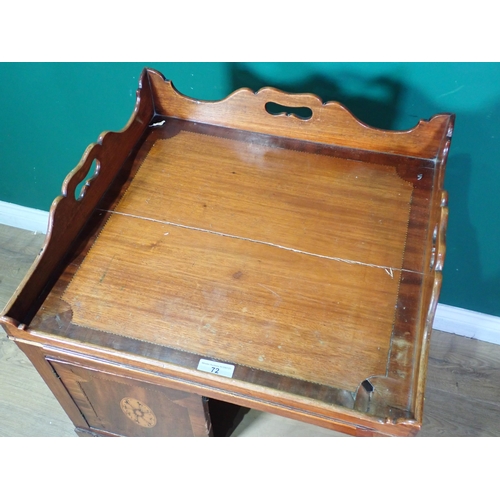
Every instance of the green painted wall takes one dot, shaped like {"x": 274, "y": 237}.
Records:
{"x": 50, "y": 112}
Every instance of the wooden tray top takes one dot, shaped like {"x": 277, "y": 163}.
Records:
{"x": 309, "y": 264}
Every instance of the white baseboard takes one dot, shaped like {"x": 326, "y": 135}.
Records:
{"x": 448, "y": 318}
{"x": 21, "y": 217}
{"x": 467, "y": 323}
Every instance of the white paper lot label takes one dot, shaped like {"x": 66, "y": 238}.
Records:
{"x": 223, "y": 369}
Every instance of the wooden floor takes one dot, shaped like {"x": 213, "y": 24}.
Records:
{"x": 462, "y": 396}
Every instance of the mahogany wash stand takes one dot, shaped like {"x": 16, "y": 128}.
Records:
{"x": 222, "y": 257}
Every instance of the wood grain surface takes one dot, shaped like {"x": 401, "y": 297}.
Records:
{"x": 199, "y": 292}
{"x": 270, "y": 254}
{"x": 308, "y": 202}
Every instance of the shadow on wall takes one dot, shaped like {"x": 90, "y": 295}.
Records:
{"x": 471, "y": 286}
{"x": 399, "y": 105}
{"x": 462, "y": 249}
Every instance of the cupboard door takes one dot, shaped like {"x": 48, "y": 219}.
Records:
{"x": 126, "y": 407}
